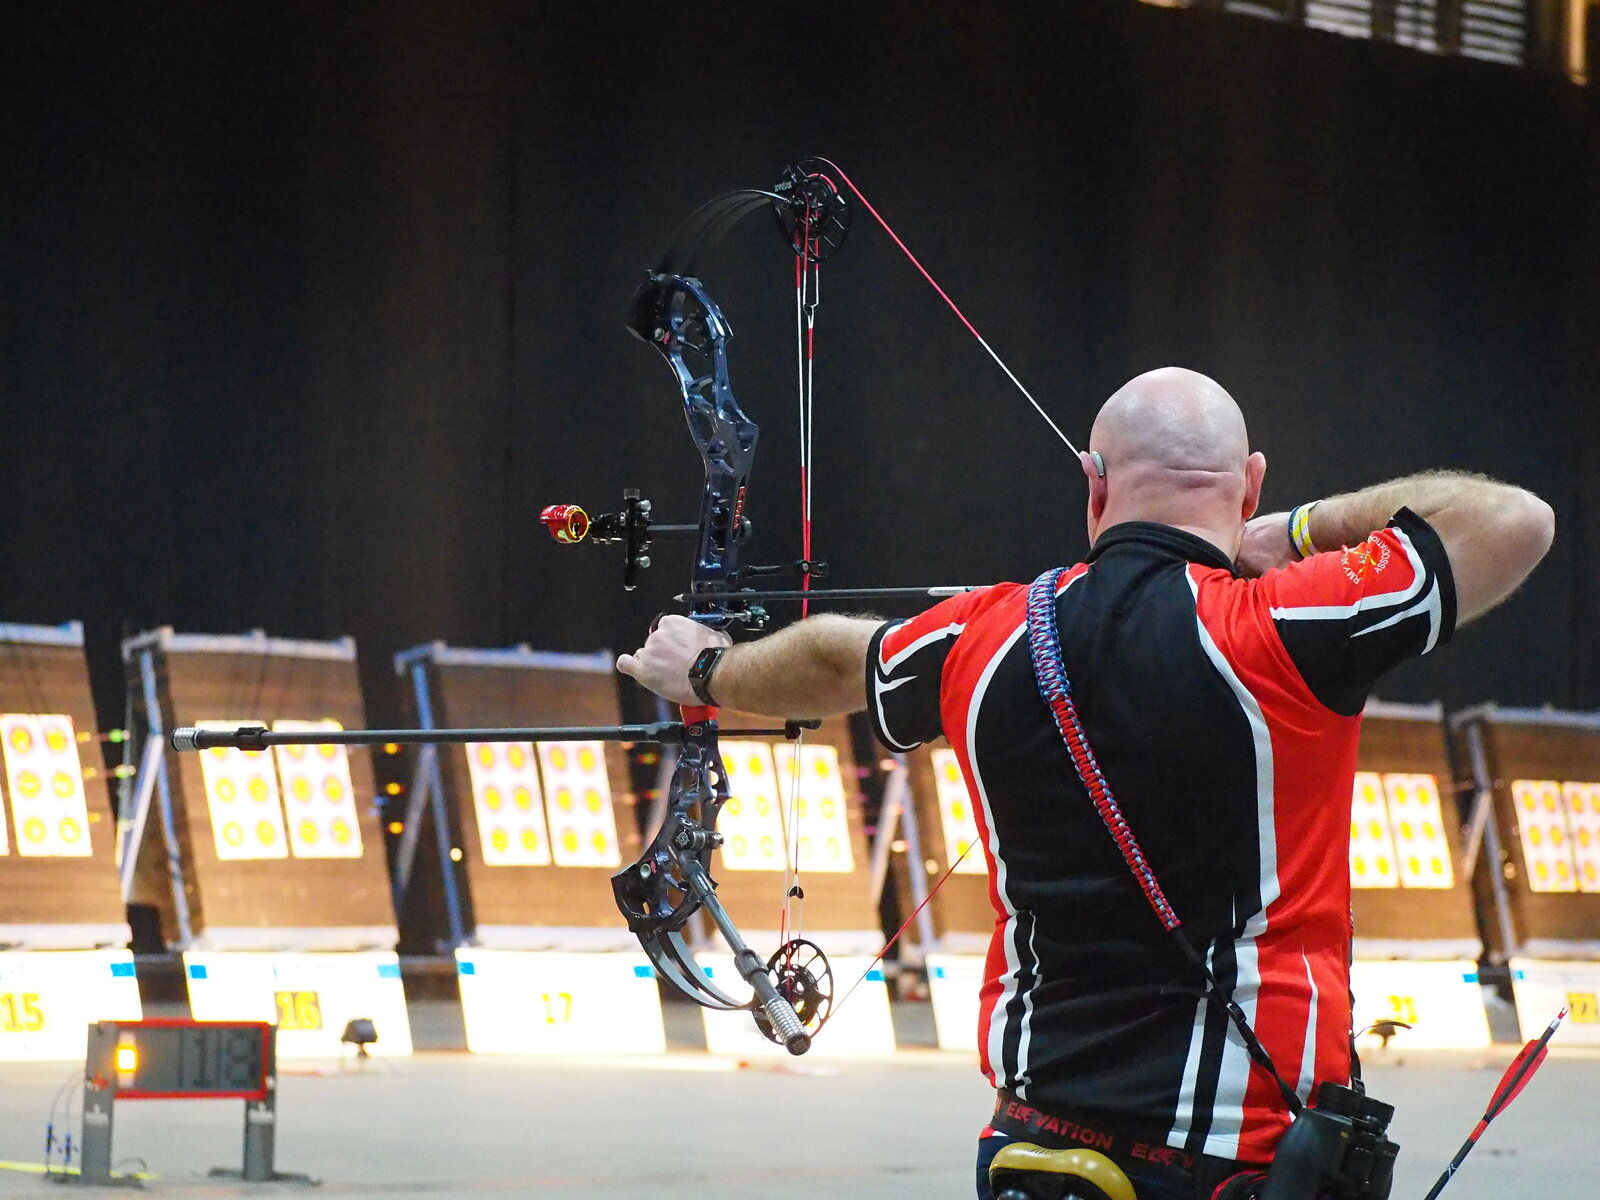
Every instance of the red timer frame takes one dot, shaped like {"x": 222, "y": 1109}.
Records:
{"x": 179, "y": 1023}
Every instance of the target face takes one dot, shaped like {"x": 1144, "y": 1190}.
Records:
{"x": 957, "y": 816}
{"x": 1546, "y": 837}
{"x": 242, "y": 798}
{"x": 1418, "y": 824}
{"x": 1583, "y": 818}
{"x": 317, "y": 795}
{"x": 751, "y": 822}
{"x": 45, "y": 782}
{"x": 509, "y": 804}
{"x": 583, "y": 829}
{"x": 1372, "y": 853}
{"x": 821, "y": 818}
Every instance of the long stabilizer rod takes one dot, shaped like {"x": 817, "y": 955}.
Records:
{"x": 258, "y": 737}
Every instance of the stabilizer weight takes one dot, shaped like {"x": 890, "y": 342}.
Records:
{"x": 784, "y": 1022}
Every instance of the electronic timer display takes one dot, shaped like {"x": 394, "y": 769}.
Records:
{"x": 192, "y": 1060}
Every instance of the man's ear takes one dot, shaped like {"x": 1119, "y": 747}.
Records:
{"x": 1255, "y": 470}
{"x": 1094, "y": 471}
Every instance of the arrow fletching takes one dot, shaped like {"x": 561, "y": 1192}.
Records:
{"x": 1528, "y": 1060}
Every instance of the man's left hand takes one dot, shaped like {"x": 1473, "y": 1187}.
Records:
{"x": 662, "y": 663}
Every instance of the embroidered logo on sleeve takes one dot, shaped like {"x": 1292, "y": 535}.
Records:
{"x": 1365, "y": 561}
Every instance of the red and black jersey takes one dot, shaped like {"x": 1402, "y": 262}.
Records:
{"x": 1225, "y": 713}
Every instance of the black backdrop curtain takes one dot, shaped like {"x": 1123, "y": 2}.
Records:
{"x": 308, "y": 308}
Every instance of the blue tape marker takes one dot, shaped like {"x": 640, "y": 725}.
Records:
{"x": 388, "y": 970}
{"x": 122, "y": 970}
{"x": 644, "y": 972}
{"x": 197, "y": 970}
{"x": 1469, "y": 977}
{"x": 1518, "y": 975}
{"x": 467, "y": 968}
{"x": 938, "y": 972}
{"x": 874, "y": 976}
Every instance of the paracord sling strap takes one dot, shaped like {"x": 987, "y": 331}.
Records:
{"x": 1044, "y": 646}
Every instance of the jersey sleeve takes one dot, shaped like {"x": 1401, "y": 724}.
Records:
{"x": 1347, "y": 616}
{"x": 905, "y": 665}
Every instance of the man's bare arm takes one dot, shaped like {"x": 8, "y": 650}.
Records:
{"x": 814, "y": 668}
{"x": 1493, "y": 533}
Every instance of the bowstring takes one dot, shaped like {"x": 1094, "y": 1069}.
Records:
{"x": 807, "y": 275}
{"x": 805, "y": 332}
{"x": 904, "y": 925}
{"x": 1038, "y": 408}
{"x": 945, "y": 296}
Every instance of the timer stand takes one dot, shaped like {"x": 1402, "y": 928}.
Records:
{"x": 182, "y": 1060}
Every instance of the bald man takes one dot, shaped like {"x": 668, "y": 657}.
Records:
{"x": 1218, "y": 665}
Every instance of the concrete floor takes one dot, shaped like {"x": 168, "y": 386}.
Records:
{"x": 686, "y": 1125}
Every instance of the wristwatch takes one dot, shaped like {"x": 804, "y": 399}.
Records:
{"x": 700, "y": 673}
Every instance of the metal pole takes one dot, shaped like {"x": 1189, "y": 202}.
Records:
{"x": 926, "y": 938}
{"x": 1491, "y": 840}
{"x": 433, "y": 784}
{"x": 883, "y": 840}
{"x": 99, "y": 1098}
{"x": 169, "y": 829}
{"x": 144, "y": 790}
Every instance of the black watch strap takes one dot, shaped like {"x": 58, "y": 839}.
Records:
{"x": 700, "y": 673}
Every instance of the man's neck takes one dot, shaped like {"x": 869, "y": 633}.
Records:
{"x": 1225, "y": 539}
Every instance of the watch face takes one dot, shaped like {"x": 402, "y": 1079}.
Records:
{"x": 704, "y": 661}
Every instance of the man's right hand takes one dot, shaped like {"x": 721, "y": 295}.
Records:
{"x": 1265, "y": 545}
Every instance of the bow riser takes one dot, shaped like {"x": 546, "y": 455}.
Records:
{"x": 677, "y": 316}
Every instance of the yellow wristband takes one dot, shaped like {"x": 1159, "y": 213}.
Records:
{"x": 1300, "y": 529}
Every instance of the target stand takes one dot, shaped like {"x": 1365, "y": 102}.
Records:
{"x": 63, "y": 932}
{"x": 940, "y": 832}
{"x": 266, "y": 868}
{"x": 1535, "y": 774}
{"x": 508, "y": 848}
{"x": 1416, "y": 944}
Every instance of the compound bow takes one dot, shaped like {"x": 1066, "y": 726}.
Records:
{"x": 792, "y": 990}
{"x": 673, "y": 312}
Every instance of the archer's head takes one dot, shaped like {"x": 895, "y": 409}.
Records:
{"x": 1174, "y": 450}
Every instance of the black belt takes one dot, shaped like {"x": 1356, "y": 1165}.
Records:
{"x": 1137, "y": 1151}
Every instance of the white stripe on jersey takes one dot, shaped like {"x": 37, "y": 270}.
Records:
{"x": 885, "y": 668}
{"x": 996, "y": 1039}
{"x": 1227, "y": 1115}
{"x": 1308, "y": 1055}
{"x": 1015, "y": 1078}
{"x": 887, "y": 665}
{"x": 1420, "y": 576}
{"x": 879, "y": 689}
